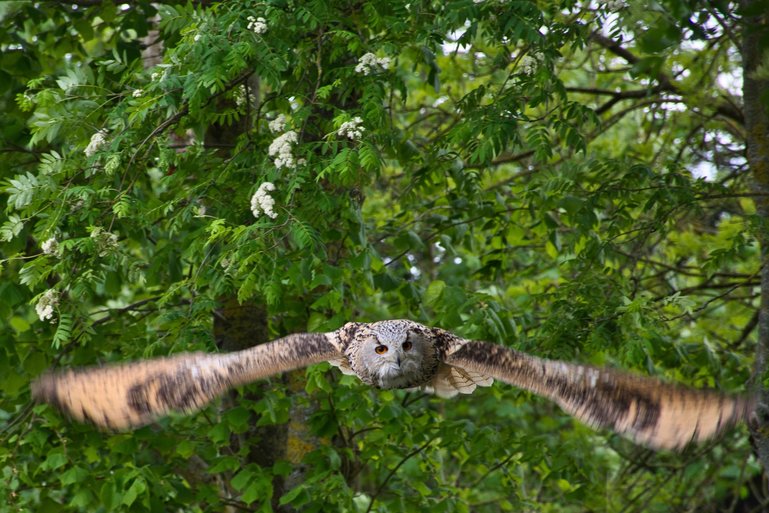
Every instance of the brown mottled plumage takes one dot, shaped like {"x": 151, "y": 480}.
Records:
{"x": 397, "y": 354}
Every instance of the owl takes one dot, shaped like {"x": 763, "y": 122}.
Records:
{"x": 397, "y": 354}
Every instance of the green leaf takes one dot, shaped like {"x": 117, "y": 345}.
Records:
{"x": 19, "y": 324}
{"x": 51, "y": 163}
{"x": 241, "y": 479}
{"x": 291, "y": 496}
{"x": 11, "y": 228}
{"x": 302, "y": 234}
{"x": 82, "y": 498}
{"x": 55, "y": 459}
{"x": 73, "y": 475}
{"x": 112, "y": 163}
{"x": 138, "y": 487}
{"x": 63, "y": 332}
{"x": 433, "y": 292}
{"x": 21, "y": 190}
{"x": 258, "y": 489}
{"x": 185, "y": 449}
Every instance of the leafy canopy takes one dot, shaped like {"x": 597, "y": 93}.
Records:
{"x": 514, "y": 171}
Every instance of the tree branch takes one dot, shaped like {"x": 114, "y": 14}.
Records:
{"x": 394, "y": 470}
{"x": 725, "y": 109}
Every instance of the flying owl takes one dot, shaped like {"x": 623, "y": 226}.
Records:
{"x": 397, "y": 354}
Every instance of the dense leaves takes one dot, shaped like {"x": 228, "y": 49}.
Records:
{"x": 518, "y": 172}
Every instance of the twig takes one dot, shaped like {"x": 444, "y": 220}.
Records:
{"x": 665, "y": 84}
{"x": 394, "y": 470}
{"x": 497, "y": 466}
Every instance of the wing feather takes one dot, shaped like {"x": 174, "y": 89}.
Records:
{"x": 450, "y": 381}
{"x": 645, "y": 409}
{"x": 134, "y": 394}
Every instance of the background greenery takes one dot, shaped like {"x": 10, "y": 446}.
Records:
{"x": 525, "y": 176}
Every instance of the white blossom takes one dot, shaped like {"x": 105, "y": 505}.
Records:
{"x": 370, "y": 63}
{"x": 77, "y": 205}
{"x": 280, "y": 150}
{"x": 196, "y": 37}
{"x": 98, "y": 140}
{"x": 242, "y": 96}
{"x": 257, "y": 25}
{"x": 105, "y": 241}
{"x": 352, "y": 129}
{"x": 46, "y": 304}
{"x": 529, "y": 63}
{"x": 262, "y": 202}
{"x": 50, "y": 246}
{"x": 278, "y": 124}
{"x": 614, "y": 5}
{"x": 161, "y": 73}
{"x": 137, "y": 93}
{"x": 226, "y": 265}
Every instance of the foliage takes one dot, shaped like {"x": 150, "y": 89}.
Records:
{"x": 524, "y": 175}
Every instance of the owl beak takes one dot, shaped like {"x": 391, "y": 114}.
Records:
{"x": 398, "y": 360}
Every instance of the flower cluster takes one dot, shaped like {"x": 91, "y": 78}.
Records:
{"x": 280, "y": 150}
{"x": 262, "y": 202}
{"x": 352, "y": 129}
{"x": 46, "y": 304}
{"x": 242, "y": 96}
{"x": 98, "y": 140}
{"x": 370, "y": 63}
{"x": 278, "y": 124}
{"x": 137, "y": 93}
{"x": 257, "y": 25}
{"x": 105, "y": 241}
{"x": 50, "y": 246}
{"x": 529, "y": 63}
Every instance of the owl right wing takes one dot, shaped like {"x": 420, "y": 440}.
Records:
{"x": 645, "y": 409}
{"x": 134, "y": 394}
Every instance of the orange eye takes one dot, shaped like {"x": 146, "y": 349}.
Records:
{"x": 381, "y": 349}
{"x": 407, "y": 345}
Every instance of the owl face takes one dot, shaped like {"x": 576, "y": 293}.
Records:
{"x": 392, "y": 354}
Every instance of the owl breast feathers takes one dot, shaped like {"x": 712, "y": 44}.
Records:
{"x": 397, "y": 354}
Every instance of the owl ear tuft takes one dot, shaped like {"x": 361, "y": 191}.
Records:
{"x": 349, "y": 330}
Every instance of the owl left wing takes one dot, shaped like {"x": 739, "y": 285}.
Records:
{"x": 134, "y": 394}
{"x": 647, "y": 410}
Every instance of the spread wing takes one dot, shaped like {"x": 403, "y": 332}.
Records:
{"x": 649, "y": 411}
{"x": 134, "y": 394}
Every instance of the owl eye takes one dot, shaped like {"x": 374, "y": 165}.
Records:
{"x": 381, "y": 349}
{"x": 407, "y": 345}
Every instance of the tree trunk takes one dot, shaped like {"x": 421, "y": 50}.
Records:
{"x": 236, "y": 327}
{"x": 239, "y": 326}
{"x": 755, "y": 97}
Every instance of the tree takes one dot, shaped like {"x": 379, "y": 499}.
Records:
{"x": 513, "y": 171}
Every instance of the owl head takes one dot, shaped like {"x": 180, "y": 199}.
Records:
{"x": 392, "y": 354}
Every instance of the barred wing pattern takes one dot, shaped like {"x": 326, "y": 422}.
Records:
{"x": 649, "y": 411}
{"x": 645, "y": 409}
{"x": 134, "y": 394}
